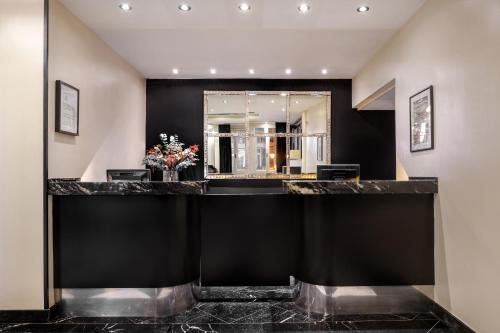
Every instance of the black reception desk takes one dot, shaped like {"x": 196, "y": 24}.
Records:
{"x": 151, "y": 235}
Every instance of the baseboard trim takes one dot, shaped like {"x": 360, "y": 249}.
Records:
{"x": 24, "y": 316}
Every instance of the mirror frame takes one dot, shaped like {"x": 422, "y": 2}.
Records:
{"x": 248, "y": 94}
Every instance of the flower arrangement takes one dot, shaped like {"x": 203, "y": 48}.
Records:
{"x": 170, "y": 154}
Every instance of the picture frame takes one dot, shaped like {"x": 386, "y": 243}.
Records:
{"x": 422, "y": 120}
{"x": 67, "y": 109}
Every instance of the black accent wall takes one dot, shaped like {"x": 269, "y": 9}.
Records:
{"x": 367, "y": 138}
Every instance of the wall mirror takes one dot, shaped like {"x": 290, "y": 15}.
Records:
{"x": 266, "y": 134}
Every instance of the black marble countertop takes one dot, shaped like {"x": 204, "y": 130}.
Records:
{"x": 307, "y": 187}
{"x": 71, "y": 187}
{"x": 297, "y": 187}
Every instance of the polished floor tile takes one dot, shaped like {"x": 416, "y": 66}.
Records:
{"x": 242, "y": 316}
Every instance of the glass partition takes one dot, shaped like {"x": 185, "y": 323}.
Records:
{"x": 269, "y": 134}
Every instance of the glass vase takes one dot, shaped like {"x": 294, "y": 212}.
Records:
{"x": 170, "y": 176}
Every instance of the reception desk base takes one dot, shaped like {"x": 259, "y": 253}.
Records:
{"x": 326, "y": 300}
{"x": 127, "y": 302}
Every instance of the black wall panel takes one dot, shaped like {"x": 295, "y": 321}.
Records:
{"x": 368, "y": 138}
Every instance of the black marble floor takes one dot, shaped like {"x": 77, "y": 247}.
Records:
{"x": 242, "y": 316}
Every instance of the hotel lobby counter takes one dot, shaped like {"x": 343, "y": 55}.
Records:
{"x": 308, "y": 187}
{"x": 242, "y": 233}
{"x": 71, "y": 187}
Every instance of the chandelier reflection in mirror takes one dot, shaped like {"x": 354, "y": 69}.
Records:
{"x": 266, "y": 134}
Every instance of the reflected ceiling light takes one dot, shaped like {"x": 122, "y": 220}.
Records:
{"x": 288, "y": 71}
{"x": 324, "y": 71}
{"x": 304, "y": 8}
{"x": 363, "y": 9}
{"x": 225, "y": 101}
{"x": 272, "y": 101}
{"x": 251, "y": 71}
{"x": 244, "y": 7}
{"x": 213, "y": 71}
{"x": 184, "y": 7}
{"x": 283, "y": 94}
{"x": 297, "y": 102}
{"x": 125, "y": 7}
{"x": 175, "y": 71}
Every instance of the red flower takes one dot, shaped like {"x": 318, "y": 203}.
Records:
{"x": 194, "y": 148}
{"x": 171, "y": 161}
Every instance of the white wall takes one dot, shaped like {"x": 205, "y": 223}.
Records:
{"x": 112, "y": 102}
{"x": 21, "y": 154}
{"x": 455, "y": 46}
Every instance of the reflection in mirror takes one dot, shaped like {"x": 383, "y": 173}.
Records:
{"x": 306, "y": 153}
{"x": 308, "y": 114}
{"x": 226, "y": 113}
{"x": 266, "y": 134}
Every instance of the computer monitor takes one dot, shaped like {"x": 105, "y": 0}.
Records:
{"x": 338, "y": 172}
{"x": 128, "y": 175}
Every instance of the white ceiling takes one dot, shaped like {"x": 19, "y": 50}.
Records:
{"x": 155, "y": 36}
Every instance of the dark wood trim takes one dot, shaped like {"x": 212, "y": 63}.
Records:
{"x": 432, "y": 120}
{"x": 45, "y": 151}
{"x": 59, "y": 84}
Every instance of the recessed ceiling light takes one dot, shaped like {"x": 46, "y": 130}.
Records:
{"x": 225, "y": 101}
{"x": 363, "y": 9}
{"x": 213, "y": 71}
{"x": 184, "y": 7}
{"x": 283, "y": 94}
{"x": 272, "y": 101}
{"x": 324, "y": 71}
{"x": 175, "y": 71}
{"x": 244, "y": 7}
{"x": 288, "y": 71}
{"x": 125, "y": 7}
{"x": 304, "y": 8}
{"x": 297, "y": 102}
{"x": 251, "y": 71}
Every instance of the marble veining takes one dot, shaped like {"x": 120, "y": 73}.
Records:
{"x": 306, "y": 187}
{"x": 64, "y": 187}
{"x": 300, "y": 187}
{"x": 241, "y": 317}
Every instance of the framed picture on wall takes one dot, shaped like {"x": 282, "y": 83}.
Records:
{"x": 67, "y": 108}
{"x": 422, "y": 120}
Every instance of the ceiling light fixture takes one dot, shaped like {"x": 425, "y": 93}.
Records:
{"x": 251, "y": 71}
{"x": 184, "y": 7}
{"x": 175, "y": 71}
{"x": 283, "y": 94}
{"x": 125, "y": 7}
{"x": 288, "y": 71}
{"x": 244, "y": 7}
{"x": 225, "y": 101}
{"x": 304, "y": 8}
{"x": 324, "y": 71}
{"x": 363, "y": 9}
{"x": 272, "y": 101}
{"x": 213, "y": 71}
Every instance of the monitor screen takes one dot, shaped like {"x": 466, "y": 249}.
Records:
{"x": 128, "y": 175}
{"x": 338, "y": 172}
